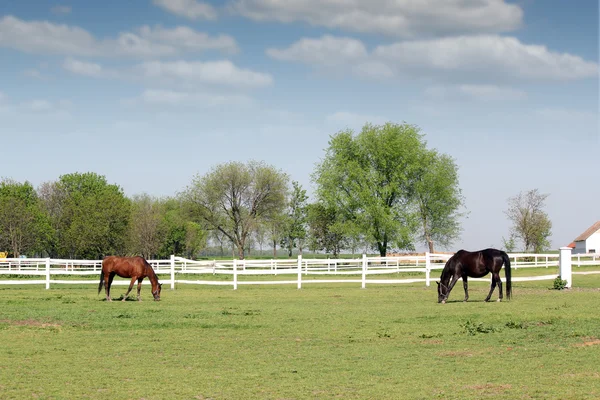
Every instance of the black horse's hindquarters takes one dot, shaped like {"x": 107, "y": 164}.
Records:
{"x": 477, "y": 264}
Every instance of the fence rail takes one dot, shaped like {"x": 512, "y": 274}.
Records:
{"x": 373, "y": 270}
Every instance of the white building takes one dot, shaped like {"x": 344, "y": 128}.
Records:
{"x": 588, "y": 241}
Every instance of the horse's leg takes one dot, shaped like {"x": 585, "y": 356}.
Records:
{"x": 107, "y": 283}
{"x": 499, "y": 281}
{"x": 451, "y": 285}
{"x": 466, "y": 286}
{"x": 130, "y": 287}
{"x": 493, "y": 285}
{"x": 139, "y": 288}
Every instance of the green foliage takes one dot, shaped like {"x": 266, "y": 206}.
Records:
{"x": 473, "y": 328}
{"x": 559, "y": 283}
{"x": 385, "y": 183}
{"x": 531, "y": 223}
{"x": 510, "y": 244}
{"x": 294, "y": 224}
{"x": 234, "y": 197}
{"x": 326, "y": 232}
{"x": 91, "y": 216}
{"x": 24, "y": 227}
{"x": 145, "y": 233}
{"x": 439, "y": 198}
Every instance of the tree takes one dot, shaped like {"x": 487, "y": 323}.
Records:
{"x": 326, "y": 231}
{"x": 438, "y": 198}
{"x": 234, "y": 197}
{"x": 91, "y": 216}
{"x": 275, "y": 225}
{"x": 173, "y": 226}
{"x": 295, "y": 219}
{"x": 145, "y": 232}
{"x": 530, "y": 222}
{"x": 24, "y": 227}
{"x": 369, "y": 179}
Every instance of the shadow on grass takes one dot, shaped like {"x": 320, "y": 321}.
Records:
{"x": 120, "y": 298}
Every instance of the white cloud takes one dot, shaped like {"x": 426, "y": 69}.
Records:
{"x": 84, "y": 68}
{"x": 61, "y": 10}
{"x": 325, "y": 51}
{"x": 188, "y": 39}
{"x": 400, "y": 18}
{"x": 46, "y": 37}
{"x": 49, "y": 38}
{"x": 191, "y": 9}
{"x": 176, "y": 73}
{"x": 468, "y": 58}
{"x": 488, "y": 56}
{"x": 211, "y": 72}
{"x": 475, "y": 92}
{"x": 178, "y": 99}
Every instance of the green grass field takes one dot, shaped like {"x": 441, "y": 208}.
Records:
{"x": 324, "y": 341}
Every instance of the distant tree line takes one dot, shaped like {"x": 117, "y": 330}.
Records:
{"x": 381, "y": 189}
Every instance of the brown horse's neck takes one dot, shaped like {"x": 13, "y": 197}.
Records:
{"x": 152, "y": 276}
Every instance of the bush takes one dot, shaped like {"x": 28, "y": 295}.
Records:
{"x": 559, "y": 283}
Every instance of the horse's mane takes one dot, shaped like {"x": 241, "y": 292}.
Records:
{"x": 149, "y": 270}
{"x": 449, "y": 268}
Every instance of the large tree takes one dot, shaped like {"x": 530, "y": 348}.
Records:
{"x": 439, "y": 199}
{"x": 530, "y": 223}
{"x": 90, "y": 216}
{"x": 24, "y": 227}
{"x": 370, "y": 178}
{"x": 234, "y": 197}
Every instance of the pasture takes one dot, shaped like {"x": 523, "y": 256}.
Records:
{"x": 323, "y": 341}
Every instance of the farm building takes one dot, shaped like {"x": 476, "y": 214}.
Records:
{"x": 588, "y": 241}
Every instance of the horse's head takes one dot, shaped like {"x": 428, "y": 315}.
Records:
{"x": 442, "y": 293}
{"x": 156, "y": 293}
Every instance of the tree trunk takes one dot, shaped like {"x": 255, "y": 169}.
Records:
{"x": 430, "y": 242}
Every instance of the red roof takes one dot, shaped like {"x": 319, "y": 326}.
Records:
{"x": 571, "y": 245}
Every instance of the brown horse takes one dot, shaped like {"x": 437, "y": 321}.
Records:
{"x": 475, "y": 264}
{"x": 136, "y": 268}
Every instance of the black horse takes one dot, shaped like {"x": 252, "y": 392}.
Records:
{"x": 475, "y": 264}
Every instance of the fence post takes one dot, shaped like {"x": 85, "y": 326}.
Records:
{"x": 234, "y": 274}
{"x": 564, "y": 265}
{"x": 299, "y": 271}
{"x": 172, "y": 271}
{"x": 364, "y": 271}
{"x": 47, "y": 273}
{"x": 427, "y": 269}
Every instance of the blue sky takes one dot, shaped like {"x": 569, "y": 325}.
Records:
{"x": 150, "y": 93}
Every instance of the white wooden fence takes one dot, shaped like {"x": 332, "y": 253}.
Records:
{"x": 300, "y": 271}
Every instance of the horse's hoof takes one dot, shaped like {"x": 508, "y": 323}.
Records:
{"x": 443, "y": 301}
{"x": 499, "y": 300}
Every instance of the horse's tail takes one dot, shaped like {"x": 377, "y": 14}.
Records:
{"x": 507, "y": 272}
{"x": 101, "y": 281}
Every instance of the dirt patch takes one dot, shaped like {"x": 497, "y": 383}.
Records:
{"x": 30, "y": 322}
{"x": 432, "y": 341}
{"x": 589, "y": 342}
{"x": 489, "y": 388}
